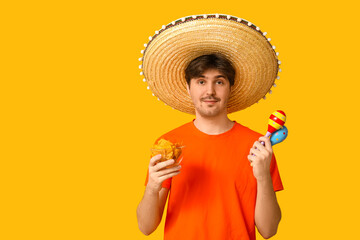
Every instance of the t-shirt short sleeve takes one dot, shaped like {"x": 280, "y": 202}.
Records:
{"x": 277, "y": 183}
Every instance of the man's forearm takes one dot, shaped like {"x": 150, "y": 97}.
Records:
{"x": 148, "y": 212}
{"x": 267, "y": 210}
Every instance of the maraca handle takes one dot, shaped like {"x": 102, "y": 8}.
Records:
{"x": 268, "y": 134}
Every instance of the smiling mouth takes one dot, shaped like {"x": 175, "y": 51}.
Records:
{"x": 213, "y": 99}
{"x": 210, "y": 101}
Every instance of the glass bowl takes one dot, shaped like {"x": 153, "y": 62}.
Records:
{"x": 168, "y": 153}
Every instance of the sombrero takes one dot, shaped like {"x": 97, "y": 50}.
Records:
{"x": 175, "y": 45}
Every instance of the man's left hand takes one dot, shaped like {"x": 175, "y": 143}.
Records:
{"x": 260, "y": 158}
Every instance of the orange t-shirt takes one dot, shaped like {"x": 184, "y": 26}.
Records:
{"x": 214, "y": 195}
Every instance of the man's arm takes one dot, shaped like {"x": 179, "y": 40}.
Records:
{"x": 150, "y": 209}
{"x": 267, "y": 210}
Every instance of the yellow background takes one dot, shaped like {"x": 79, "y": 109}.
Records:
{"x": 77, "y": 120}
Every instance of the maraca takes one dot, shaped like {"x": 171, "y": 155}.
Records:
{"x": 276, "y": 121}
{"x": 278, "y": 136}
{"x": 276, "y": 125}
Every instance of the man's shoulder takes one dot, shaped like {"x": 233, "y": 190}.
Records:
{"x": 177, "y": 132}
{"x": 180, "y": 129}
{"x": 247, "y": 132}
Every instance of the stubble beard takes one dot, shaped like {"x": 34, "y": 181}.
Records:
{"x": 209, "y": 112}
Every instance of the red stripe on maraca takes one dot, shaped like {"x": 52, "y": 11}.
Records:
{"x": 271, "y": 129}
{"x": 277, "y": 120}
{"x": 282, "y": 112}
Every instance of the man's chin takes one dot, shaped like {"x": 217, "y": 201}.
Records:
{"x": 208, "y": 113}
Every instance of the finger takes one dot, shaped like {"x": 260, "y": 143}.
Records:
{"x": 168, "y": 170}
{"x": 259, "y": 146}
{"x": 164, "y": 164}
{"x": 154, "y": 159}
{"x": 251, "y": 158}
{"x": 163, "y": 178}
{"x": 267, "y": 142}
{"x": 253, "y": 152}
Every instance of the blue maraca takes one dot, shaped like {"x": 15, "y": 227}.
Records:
{"x": 279, "y": 136}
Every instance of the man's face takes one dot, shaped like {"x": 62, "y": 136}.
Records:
{"x": 210, "y": 93}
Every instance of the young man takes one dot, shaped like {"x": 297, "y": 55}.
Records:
{"x": 227, "y": 179}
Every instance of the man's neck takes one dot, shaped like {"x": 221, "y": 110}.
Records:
{"x": 213, "y": 126}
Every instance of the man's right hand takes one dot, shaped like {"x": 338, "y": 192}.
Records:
{"x": 158, "y": 172}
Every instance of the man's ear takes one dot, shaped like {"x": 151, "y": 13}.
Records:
{"x": 188, "y": 88}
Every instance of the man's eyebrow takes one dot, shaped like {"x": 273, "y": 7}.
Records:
{"x": 220, "y": 76}
{"x": 217, "y": 76}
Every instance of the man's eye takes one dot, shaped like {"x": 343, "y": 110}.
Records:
{"x": 201, "y": 82}
{"x": 220, "y": 82}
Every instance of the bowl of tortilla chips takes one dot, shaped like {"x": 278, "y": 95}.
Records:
{"x": 168, "y": 150}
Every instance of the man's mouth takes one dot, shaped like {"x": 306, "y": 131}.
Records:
{"x": 210, "y": 101}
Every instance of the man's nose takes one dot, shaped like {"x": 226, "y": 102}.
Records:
{"x": 210, "y": 90}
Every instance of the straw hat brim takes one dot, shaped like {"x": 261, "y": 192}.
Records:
{"x": 170, "y": 51}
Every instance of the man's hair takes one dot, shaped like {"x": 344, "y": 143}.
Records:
{"x": 212, "y": 61}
